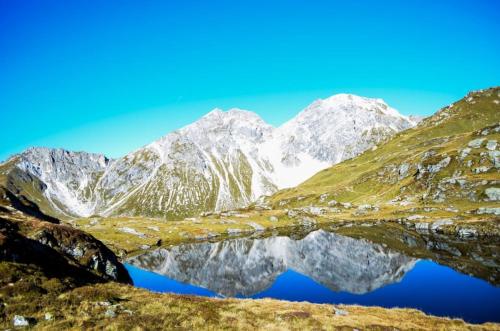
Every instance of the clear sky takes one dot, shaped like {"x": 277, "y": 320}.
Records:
{"x": 111, "y": 76}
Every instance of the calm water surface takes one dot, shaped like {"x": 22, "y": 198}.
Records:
{"x": 324, "y": 267}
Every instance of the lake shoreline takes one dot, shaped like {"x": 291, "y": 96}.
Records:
{"x": 131, "y": 236}
{"x": 124, "y": 307}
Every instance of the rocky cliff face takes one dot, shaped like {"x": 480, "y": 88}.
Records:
{"x": 61, "y": 182}
{"x": 58, "y": 250}
{"x": 223, "y": 161}
{"x": 249, "y": 266}
{"x": 213, "y": 164}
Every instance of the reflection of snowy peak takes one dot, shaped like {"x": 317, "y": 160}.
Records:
{"x": 222, "y": 161}
{"x": 248, "y": 266}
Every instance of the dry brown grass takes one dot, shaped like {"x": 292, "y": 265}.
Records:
{"x": 138, "y": 309}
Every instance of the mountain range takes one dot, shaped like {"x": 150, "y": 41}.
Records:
{"x": 225, "y": 160}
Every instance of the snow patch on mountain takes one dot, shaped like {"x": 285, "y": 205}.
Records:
{"x": 226, "y": 159}
{"x": 68, "y": 177}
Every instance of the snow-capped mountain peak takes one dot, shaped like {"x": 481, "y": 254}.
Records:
{"x": 340, "y": 127}
{"x": 351, "y": 103}
{"x": 218, "y": 115}
{"x": 224, "y": 160}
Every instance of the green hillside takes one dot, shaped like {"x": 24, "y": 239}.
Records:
{"x": 451, "y": 159}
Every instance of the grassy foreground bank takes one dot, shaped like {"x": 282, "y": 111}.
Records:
{"x": 113, "y": 306}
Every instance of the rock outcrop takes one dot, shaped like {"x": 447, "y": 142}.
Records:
{"x": 58, "y": 249}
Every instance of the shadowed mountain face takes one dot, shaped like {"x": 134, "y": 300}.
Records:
{"x": 30, "y": 239}
{"x": 249, "y": 266}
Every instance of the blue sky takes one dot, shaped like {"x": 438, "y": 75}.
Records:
{"x": 111, "y": 76}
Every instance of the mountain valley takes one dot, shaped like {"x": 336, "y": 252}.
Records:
{"x": 348, "y": 182}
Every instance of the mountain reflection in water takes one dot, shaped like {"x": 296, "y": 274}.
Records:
{"x": 248, "y": 266}
{"x": 325, "y": 267}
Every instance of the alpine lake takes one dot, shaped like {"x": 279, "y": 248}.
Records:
{"x": 387, "y": 266}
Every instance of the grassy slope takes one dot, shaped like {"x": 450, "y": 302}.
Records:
{"x": 135, "y": 309}
{"x": 372, "y": 177}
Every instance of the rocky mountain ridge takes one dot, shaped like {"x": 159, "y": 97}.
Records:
{"x": 224, "y": 160}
